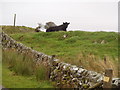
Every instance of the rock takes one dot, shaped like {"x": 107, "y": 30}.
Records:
{"x": 80, "y": 70}
{"x": 116, "y": 82}
{"x": 74, "y": 79}
{"x": 55, "y": 62}
{"x": 75, "y": 68}
{"x": 64, "y": 35}
{"x": 103, "y": 41}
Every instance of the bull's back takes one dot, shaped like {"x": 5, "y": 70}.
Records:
{"x": 56, "y": 28}
{"x": 52, "y": 29}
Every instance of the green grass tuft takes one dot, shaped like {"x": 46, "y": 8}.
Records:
{"x": 41, "y": 72}
{"x": 11, "y": 80}
{"x": 21, "y": 64}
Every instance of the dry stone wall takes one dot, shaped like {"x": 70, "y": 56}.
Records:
{"x": 65, "y": 75}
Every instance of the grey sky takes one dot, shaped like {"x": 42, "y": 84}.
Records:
{"x": 92, "y": 15}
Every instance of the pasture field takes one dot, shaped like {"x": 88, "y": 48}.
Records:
{"x": 92, "y": 50}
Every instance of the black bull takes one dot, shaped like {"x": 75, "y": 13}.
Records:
{"x": 62, "y": 27}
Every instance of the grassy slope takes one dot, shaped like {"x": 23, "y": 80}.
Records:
{"x": 10, "y": 80}
{"x": 76, "y": 42}
{"x": 78, "y": 48}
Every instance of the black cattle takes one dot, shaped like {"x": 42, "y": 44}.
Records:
{"x": 62, "y": 27}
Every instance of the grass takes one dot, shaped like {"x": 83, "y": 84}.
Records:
{"x": 79, "y": 47}
{"x": 54, "y": 43}
{"x": 20, "y": 63}
{"x": 17, "y": 29}
{"x": 41, "y": 73}
{"x": 11, "y": 80}
{"x": 19, "y": 68}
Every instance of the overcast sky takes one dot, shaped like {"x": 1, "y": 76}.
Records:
{"x": 88, "y": 15}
